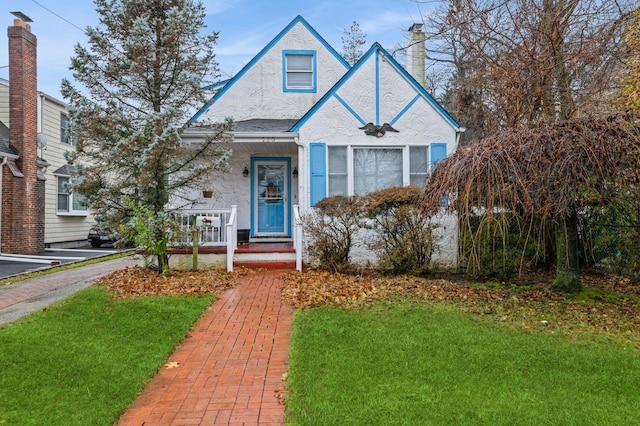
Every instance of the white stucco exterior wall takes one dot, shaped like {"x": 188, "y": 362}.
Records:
{"x": 259, "y": 93}
{"x": 378, "y": 90}
{"x": 232, "y": 188}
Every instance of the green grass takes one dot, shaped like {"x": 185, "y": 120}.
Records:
{"x": 84, "y": 360}
{"x": 421, "y": 364}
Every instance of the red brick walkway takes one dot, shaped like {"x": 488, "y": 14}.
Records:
{"x": 230, "y": 366}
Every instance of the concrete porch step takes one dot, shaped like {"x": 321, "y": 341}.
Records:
{"x": 265, "y": 255}
{"x": 268, "y": 264}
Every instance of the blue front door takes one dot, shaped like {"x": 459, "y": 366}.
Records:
{"x": 270, "y": 198}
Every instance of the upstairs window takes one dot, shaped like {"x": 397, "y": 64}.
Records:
{"x": 65, "y": 132}
{"x": 299, "y": 71}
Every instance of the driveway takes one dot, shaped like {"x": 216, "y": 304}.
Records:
{"x": 21, "y": 298}
{"x": 10, "y": 268}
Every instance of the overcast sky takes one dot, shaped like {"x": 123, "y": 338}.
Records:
{"x": 245, "y": 27}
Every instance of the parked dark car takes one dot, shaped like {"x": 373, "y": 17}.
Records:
{"x": 98, "y": 237}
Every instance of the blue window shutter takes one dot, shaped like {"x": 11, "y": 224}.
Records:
{"x": 318, "y": 172}
{"x": 438, "y": 153}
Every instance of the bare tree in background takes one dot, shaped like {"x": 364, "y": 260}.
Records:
{"x": 515, "y": 62}
{"x": 630, "y": 96}
{"x": 353, "y": 42}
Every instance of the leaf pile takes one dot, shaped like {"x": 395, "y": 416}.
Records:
{"x": 532, "y": 307}
{"x": 138, "y": 281}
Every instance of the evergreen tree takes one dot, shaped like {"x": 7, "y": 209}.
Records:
{"x": 139, "y": 80}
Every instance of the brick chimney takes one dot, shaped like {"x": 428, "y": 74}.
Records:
{"x": 416, "y": 54}
{"x": 22, "y": 189}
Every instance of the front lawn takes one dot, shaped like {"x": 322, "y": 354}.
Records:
{"x": 424, "y": 363}
{"x": 84, "y": 360}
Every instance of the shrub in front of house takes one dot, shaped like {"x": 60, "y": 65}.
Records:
{"x": 403, "y": 234}
{"x": 332, "y": 228}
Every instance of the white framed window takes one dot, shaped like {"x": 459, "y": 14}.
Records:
{"x": 376, "y": 168}
{"x": 418, "y": 165}
{"x": 68, "y": 203}
{"x": 299, "y": 71}
{"x": 337, "y": 170}
{"x": 357, "y": 170}
{"x": 65, "y": 134}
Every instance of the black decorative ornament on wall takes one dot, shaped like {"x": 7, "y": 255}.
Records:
{"x": 371, "y": 129}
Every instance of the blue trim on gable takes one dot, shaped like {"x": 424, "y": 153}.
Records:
{"x": 351, "y": 110}
{"x": 314, "y": 71}
{"x": 216, "y": 86}
{"x": 421, "y": 89}
{"x": 405, "y": 109}
{"x": 333, "y": 91}
{"x": 269, "y": 46}
{"x": 201, "y": 111}
{"x": 377, "y": 89}
{"x": 376, "y": 47}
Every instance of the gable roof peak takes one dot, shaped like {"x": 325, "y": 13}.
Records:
{"x": 229, "y": 83}
{"x": 374, "y": 50}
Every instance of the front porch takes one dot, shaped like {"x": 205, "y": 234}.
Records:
{"x": 254, "y": 255}
{"x": 218, "y": 245}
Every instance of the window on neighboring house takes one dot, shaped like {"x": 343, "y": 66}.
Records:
{"x": 65, "y": 133}
{"x": 68, "y": 202}
{"x": 418, "y": 165}
{"x": 299, "y": 71}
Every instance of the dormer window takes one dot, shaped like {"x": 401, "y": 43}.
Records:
{"x": 299, "y": 71}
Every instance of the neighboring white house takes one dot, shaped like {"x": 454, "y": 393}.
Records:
{"x": 307, "y": 126}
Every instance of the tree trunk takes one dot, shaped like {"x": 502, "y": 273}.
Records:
{"x": 567, "y": 278}
{"x": 163, "y": 264}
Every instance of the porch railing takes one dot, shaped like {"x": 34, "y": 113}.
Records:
{"x": 297, "y": 236}
{"x": 209, "y": 223}
{"x": 219, "y": 227}
{"x": 232, "y": 233}
{"x": 214, "y": 227}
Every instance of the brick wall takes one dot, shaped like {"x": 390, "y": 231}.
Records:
{"x": 23, "y": 197}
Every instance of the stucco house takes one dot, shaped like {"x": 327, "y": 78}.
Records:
{"x": 307, "y": 125}
{"x": 36, "y": 209}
